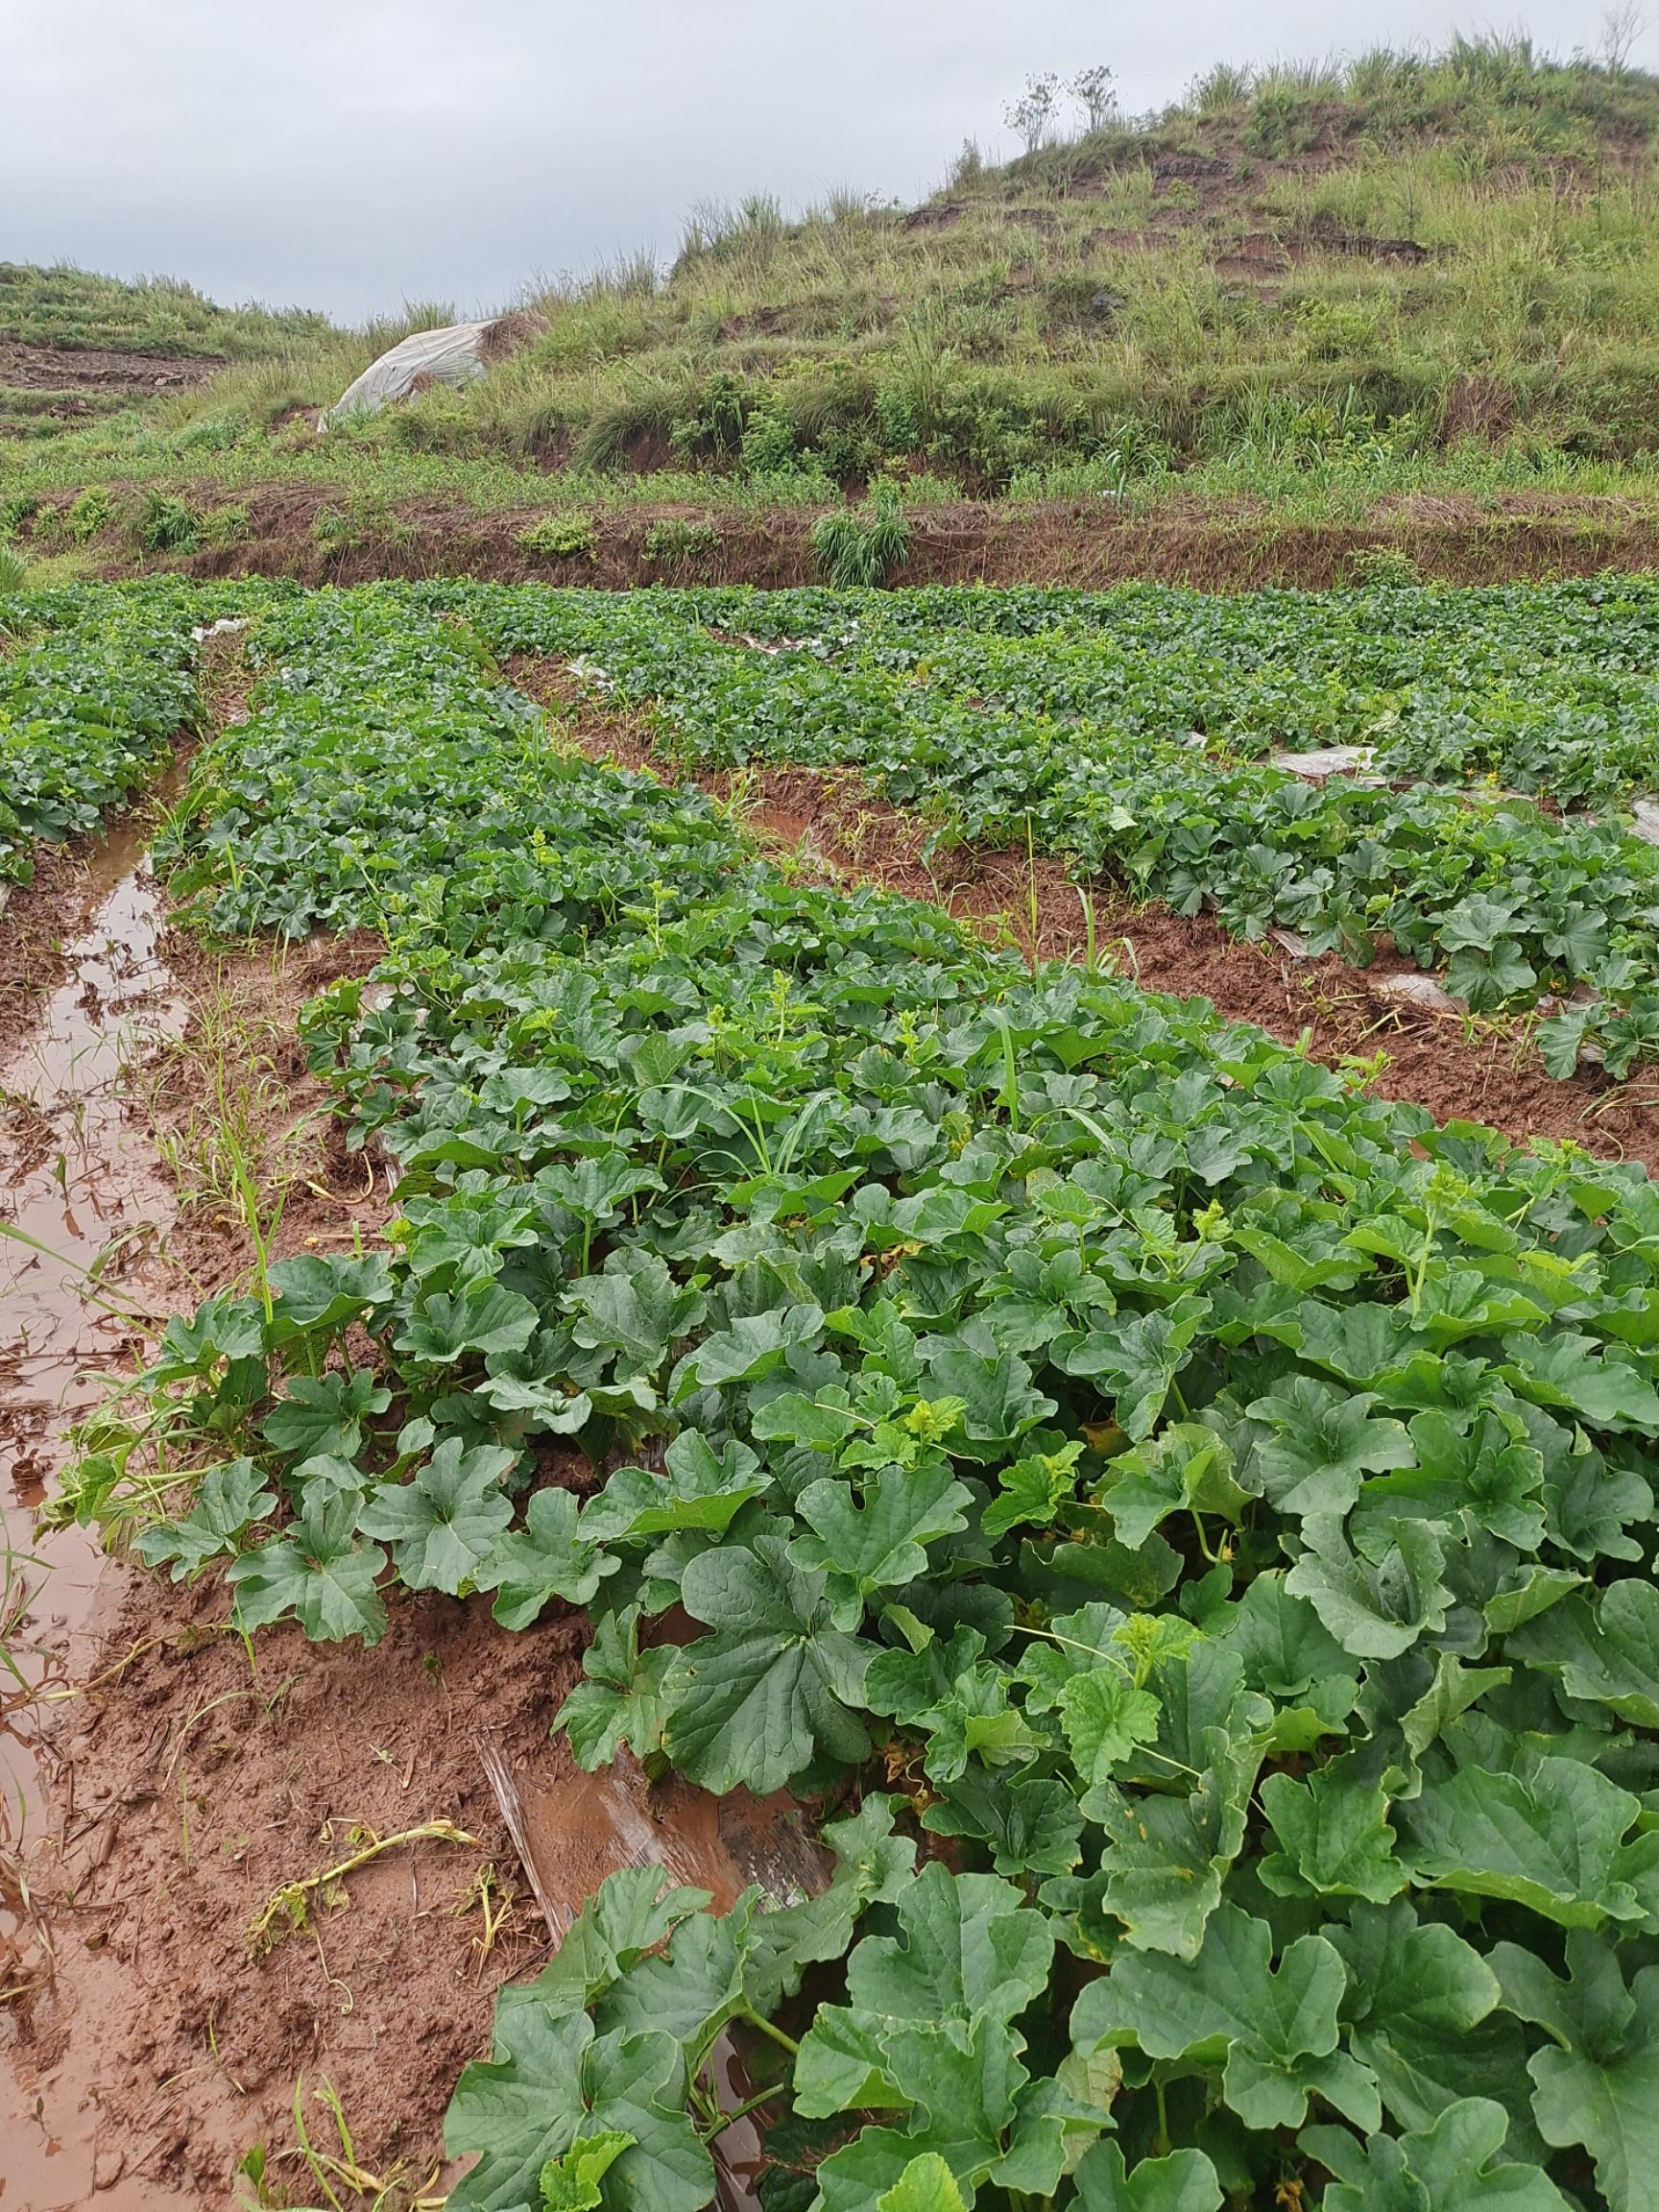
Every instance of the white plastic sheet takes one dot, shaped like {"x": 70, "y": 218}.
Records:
{"x": 1327, "y": 761}
{"x": 455, "y": 354}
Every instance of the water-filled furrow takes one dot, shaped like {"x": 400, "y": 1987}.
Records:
{"x": 83, "y": 1210}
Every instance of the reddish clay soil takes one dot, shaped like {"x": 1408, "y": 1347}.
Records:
{"x": 173, "y": 1788}
{"x": 191, "y": 1790}
{"x": 35, "y": 919}
{"x": 1082, "y": 545}
{"x": 835, "y": 825}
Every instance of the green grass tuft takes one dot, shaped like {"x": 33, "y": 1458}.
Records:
{"x": 862, "y": 549}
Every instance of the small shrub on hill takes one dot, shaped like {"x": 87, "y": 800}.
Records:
{"x": 213, "y": 434}
{"x": 1384, "y": 564}
{"x": 559, "y": 537}
{"x": 163, "y": 525}
{"x": 86, "y": 514}
{"x": 367, "y": 518}
{"x": 225, "y": 526}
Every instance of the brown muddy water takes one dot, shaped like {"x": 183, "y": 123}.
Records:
{"x": 83, "y": 1209}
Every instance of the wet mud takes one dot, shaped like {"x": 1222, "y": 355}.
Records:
{"x": 84, "y": 1214}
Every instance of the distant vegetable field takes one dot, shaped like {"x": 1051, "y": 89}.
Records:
{"x": 1185, "y": 1525}
{"x": 87, "y": 707}
{"x": 1504, "y": 738}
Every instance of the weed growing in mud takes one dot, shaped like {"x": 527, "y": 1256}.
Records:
{"x": 493, "y": 1900}
{"x": 1097, "y": 960}
{"x": 222, "y": 1116}
{"x": 26, "y": 1956}
{"x": 332, "y": 2171}
{"x": 288, "y": 1911}
{"x": 17, "y": 1599}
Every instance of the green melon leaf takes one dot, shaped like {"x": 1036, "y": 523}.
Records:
{"x": 1447, "y": 2165}
{"x": 443, "y": 1524}
{"x": 1183, "y": 2182}
{"x": 527, "y": 1567}
{"x": 1271, "y": 2030}
{"x": 1552, "y": 1842}
{"x": 318, "y": 1571}
{"x": 1597, "y": 2083}
{"x": 621, "y": 1699}
{"x": 773, "y": 1685}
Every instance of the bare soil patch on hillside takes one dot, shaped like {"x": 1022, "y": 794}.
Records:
{"x": 30, "y": 367}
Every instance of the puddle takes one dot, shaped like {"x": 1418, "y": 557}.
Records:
{"x": 79, "y": 1178}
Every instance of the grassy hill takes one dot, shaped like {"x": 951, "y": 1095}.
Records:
{"x": 1318, "y": 287}
{"x": 1404, "y": 249}
{"x": 75, "y": 310}
{"x": 74, "y": 347}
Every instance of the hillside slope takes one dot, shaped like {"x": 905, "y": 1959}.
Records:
{"x": 75, "y": 346}
{"x": 1315, "y": 293}
{"x": 1397, "y": 254}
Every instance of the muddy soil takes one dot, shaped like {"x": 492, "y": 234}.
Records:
{"x": 127, "y": 1996}
{"x": 1084, "y": 545}
{"x": 156, "y": 1790}
{"x": 192, "y": 1788}
{"x": 835, "y": 827}
{"x": 81, "y": 1190}
{"x": 35, "y": 919}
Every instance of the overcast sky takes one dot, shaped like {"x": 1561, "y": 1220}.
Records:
{"x": 352, "y": 154}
